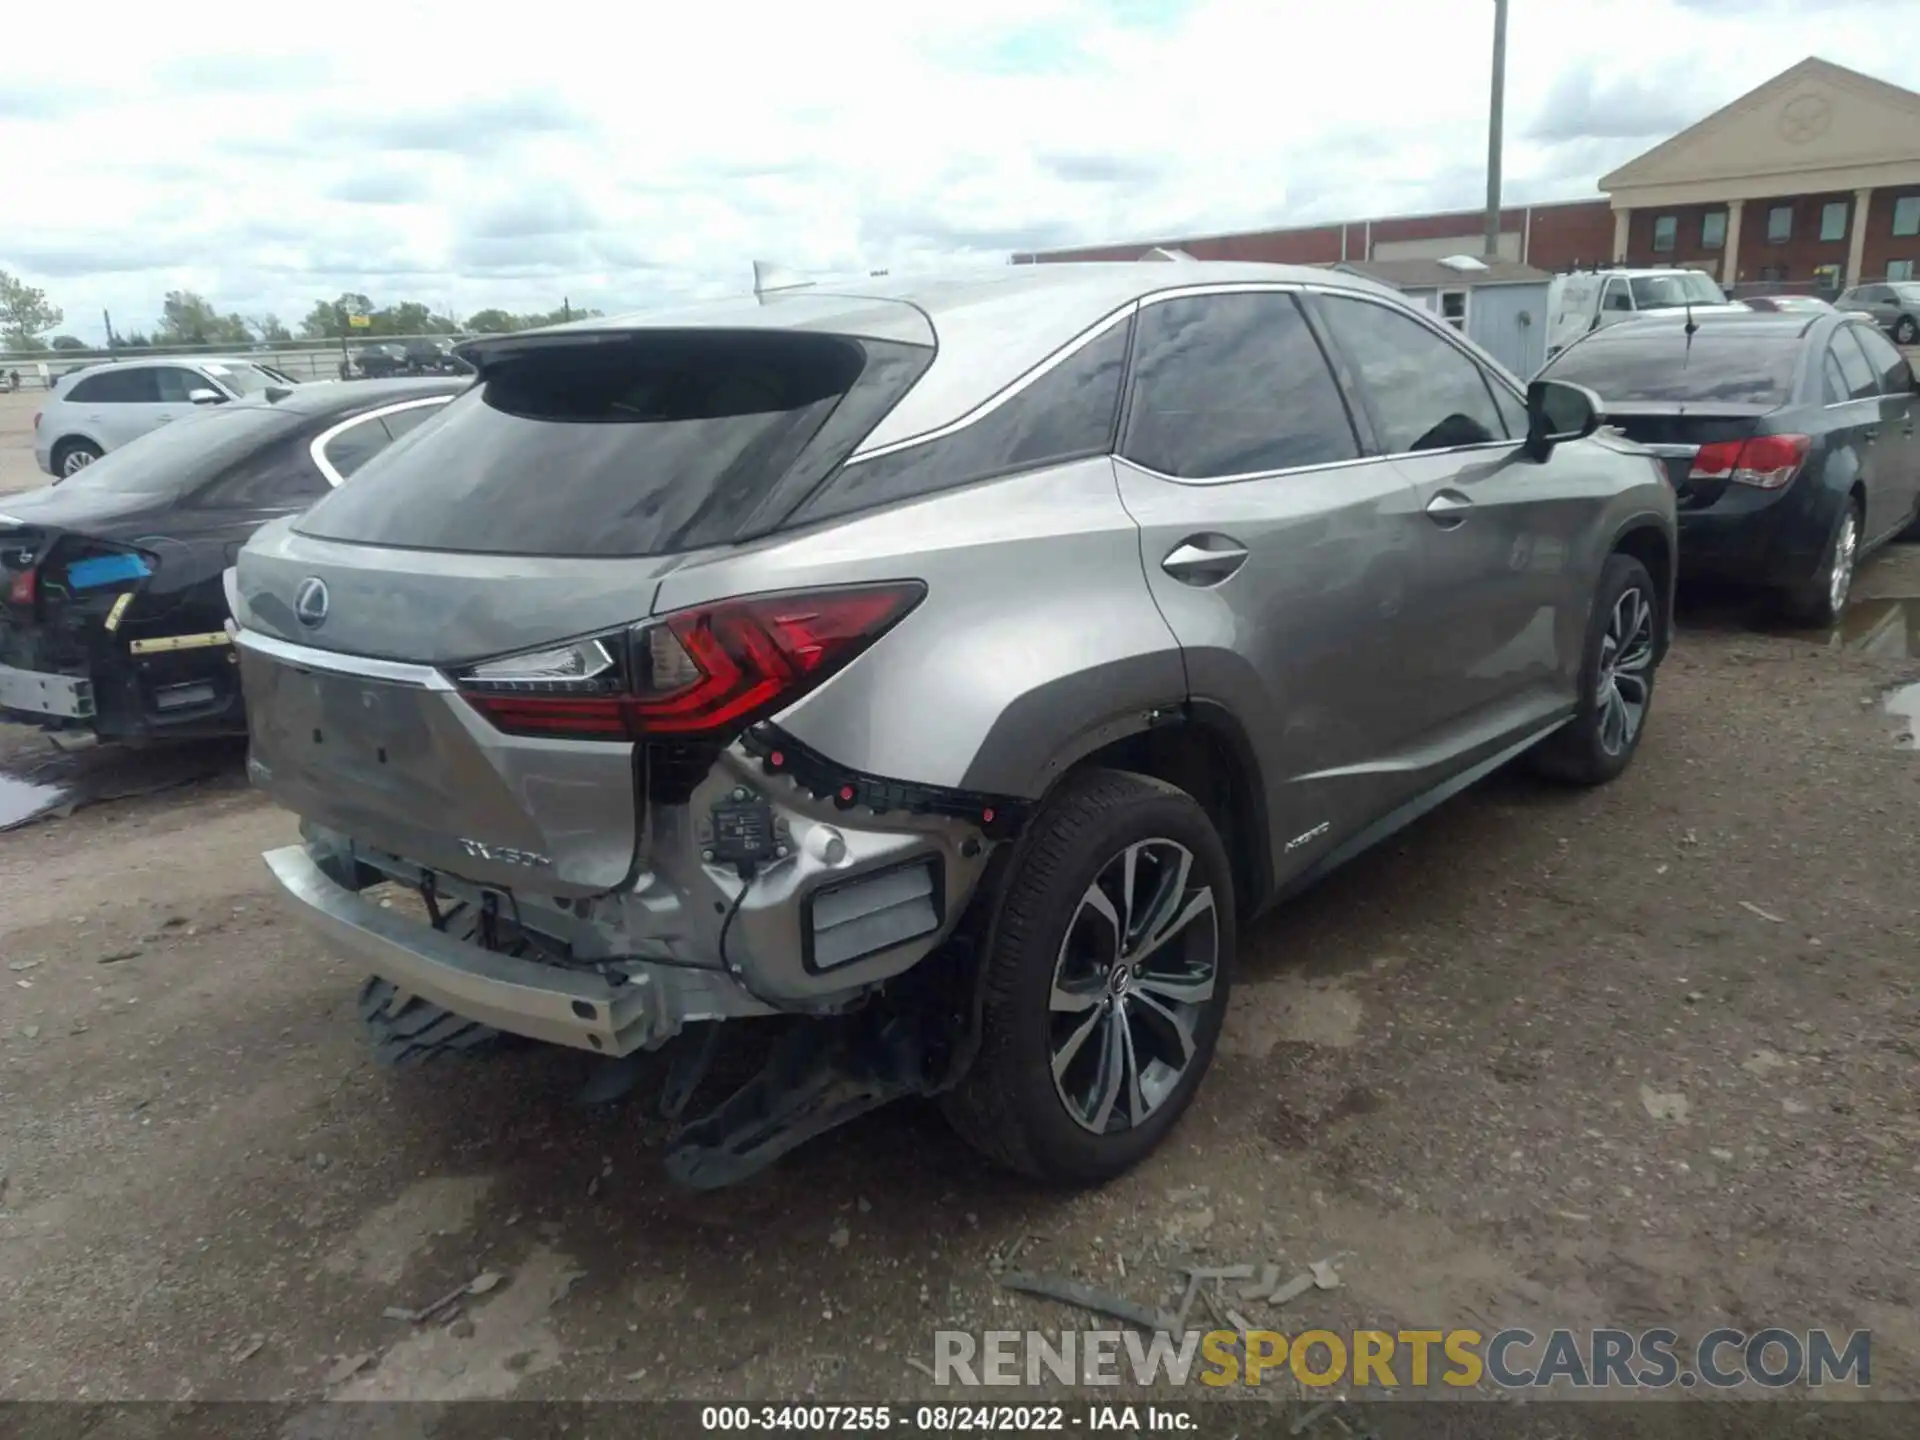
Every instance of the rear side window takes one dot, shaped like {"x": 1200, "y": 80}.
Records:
{"x": 1233, "y": 385}
{"x": 1066, "y": 413}
{"x": 133, "y": 386}
{"x": 1833, "y": 382}
{"x": 355, "y": 445}
{"x": 628, "y": 444}
{"x": 401, "y": 421}
{"x": 1862, "y": 382}
{"x": 1896, "y": 375}
{"x": 1732, "y": 367}
{"x": 1424, "y": 392}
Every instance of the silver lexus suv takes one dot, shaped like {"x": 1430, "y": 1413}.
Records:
{"x": 951, "y": 669}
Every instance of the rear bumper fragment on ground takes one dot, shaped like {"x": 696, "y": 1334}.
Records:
{"x": 523, "y": 997}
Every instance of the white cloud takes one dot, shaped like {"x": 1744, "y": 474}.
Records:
{"x": 619, "y": 157}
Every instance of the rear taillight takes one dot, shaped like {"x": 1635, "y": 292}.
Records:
{"x": 1766, "y": 462}
{"x": 20, "y": 592}
{"x": 706, "y": 672}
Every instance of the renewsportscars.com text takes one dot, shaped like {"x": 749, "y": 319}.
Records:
{"x": 1511, "y": 1359}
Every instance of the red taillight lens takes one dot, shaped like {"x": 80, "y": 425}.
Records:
{"x": 1766, "y": 462}
{"x": 704, "y": 672}
{"x": 20, "y": 592}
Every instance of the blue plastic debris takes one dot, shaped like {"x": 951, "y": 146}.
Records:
{"x": 105, "y": 570}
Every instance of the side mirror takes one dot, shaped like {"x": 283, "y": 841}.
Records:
{"x": 1558, "y": 412}
{"x": 205, "y": 397}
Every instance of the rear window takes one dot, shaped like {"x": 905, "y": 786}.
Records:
{"x": 632, "y": 445}
{"x": 177, "y": 459}
{"x": 1731, "y": 367}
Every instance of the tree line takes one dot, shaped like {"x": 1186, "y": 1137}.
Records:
{"x": 27, "y": 317}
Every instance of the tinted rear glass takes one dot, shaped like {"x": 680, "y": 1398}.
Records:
{"x": 1733, "y": 367}
{"x": 637, "y": 445}
{"x": 177, "y": 459}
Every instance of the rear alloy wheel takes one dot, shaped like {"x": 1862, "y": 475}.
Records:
{"x": 73, "y": 456}
{"x": 1823, "y": 601}
{"x": 1106, "y": 981}
{"x": 1616, "y": 684}
{"x": 1905, "y": 331}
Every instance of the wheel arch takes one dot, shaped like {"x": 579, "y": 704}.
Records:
{"x": 1202, "y": 748}
{"x": 1650, "y": 544}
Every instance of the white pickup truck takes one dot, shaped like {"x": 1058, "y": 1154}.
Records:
{"x": 1585, "y": 301}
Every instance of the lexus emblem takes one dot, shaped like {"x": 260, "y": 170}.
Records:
{"x": 310, "y": 602}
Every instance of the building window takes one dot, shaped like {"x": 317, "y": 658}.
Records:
{"x": 1827, "y": 277}
{"x": 1833, "y": 220}
{"x": 1899, "y": 270}
{"x": 1453, "y": 308}
{"x": 1773, "y": 274}
{"x": 1713, "y": 229}
{"x": 1906, "y": 215}
{"x": 1666, "y": 229}
{"x": 1780, "y": 224}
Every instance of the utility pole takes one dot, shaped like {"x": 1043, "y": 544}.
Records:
{"x": 1495, "y": 117}
{"x": 107, "y": 320}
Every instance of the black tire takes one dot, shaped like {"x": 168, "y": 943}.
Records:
{"x": 1007, "y": 1106}
{"x": 1815, "y": 602}
{"x": 67, "y": 451}
{"x": 419, "y": 1030}
{"x": 1905, "y": 331}
{"x": 1586, "y": 751}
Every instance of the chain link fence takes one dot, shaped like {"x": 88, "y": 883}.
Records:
{"x": 303, "y": 360}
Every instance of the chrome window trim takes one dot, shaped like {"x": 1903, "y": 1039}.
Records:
{"x": 326, "y": 437}
{"x": 1133, "y": 307}
{"x": 363, "y": 667}
{"x": 1287, "y": 473}
{"x": 1007, "y": 392}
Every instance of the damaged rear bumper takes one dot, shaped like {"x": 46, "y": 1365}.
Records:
{"x": 40, "y": 694}
{"x": 584, "y": 1009}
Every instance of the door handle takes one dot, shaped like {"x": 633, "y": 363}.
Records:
{"x": 1448, "y": 509}
{"x": 1204, "y": 559}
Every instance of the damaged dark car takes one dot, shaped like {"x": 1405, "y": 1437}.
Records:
{"x": 113, "y": 613}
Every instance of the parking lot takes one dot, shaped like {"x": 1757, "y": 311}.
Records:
{"x": 1638, "y": 1056}
{"x": 17, "y": 468}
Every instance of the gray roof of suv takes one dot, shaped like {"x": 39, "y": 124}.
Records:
{"x": 991, "y": 326}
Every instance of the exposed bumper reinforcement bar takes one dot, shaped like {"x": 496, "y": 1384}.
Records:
{"x": 521, "y": 997}
{"x": 69, "y": 697}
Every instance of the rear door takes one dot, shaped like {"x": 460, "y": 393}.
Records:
{"x": 1500, "y": 607}
{"x": 119, "y": 403}
{"x": 1898, "y": 460}
{"x": 1889, "y": 498}
{"x": 1282, "y": 555}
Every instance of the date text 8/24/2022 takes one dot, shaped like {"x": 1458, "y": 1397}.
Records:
{"x": 943, "y": 1419}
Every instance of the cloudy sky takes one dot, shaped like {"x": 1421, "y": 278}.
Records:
{"x": 624, "y": 156}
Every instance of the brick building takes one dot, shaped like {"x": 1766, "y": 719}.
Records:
{"x": 1813, "y": 179}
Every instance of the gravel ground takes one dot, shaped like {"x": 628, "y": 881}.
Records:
{"x": 1642, "y": 1056}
